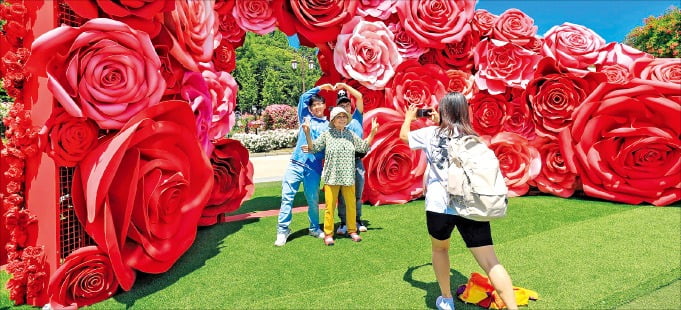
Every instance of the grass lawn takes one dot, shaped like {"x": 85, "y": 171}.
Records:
{"x": 576, "y": 253}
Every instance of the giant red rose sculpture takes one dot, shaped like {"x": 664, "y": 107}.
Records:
{"x": 140, "y": 193}
{"x": 624, "y": 142}
{"x": 233, "y": 175}
{"x": 394, "y": 171}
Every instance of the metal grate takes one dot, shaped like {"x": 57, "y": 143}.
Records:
{"x": 67, "y": 16}
{"x": 72, "y": 236}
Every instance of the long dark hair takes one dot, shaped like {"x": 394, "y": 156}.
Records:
{"x": 454, "y": 114}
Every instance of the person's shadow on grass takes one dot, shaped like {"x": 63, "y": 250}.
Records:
{"x": 432, "y": 288}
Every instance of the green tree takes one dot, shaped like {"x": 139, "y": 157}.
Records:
{"x": 264, "y": 71}
{"x": 659, "y": 36}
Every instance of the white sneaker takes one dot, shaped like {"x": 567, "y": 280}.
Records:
{"x": 444, "y": 303}
{"x": 361, "y": 227}
{"x": 342, "y": 230}
{"x": 317, "y": 233}
{"x": 281, "y": 238}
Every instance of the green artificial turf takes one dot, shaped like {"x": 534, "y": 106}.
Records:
{"x": 576, "y": 253}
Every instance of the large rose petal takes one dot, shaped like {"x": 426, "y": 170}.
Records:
{"x": 624, "y": 142}
{"x": 140, "y": 194}
{"x": 84, "y": 278}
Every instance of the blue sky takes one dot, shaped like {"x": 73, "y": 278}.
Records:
{"x": 611, "y": 19}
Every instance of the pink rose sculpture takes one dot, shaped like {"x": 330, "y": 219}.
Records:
{"x": 394, "y": 171}
{"x": 223, "y": 91}
{"x": 68, "y": 139}
{"x": 661, "y": 69}
{"x": 379, "y": 9}
{"x": 421, "y": 85}
{"x": 502, "y": 64}
{"x": 317, "y": 21}
{"x": 573, "y": 46}
{"x": 515, "y": 27}
{"x": 483, "y": 22}
{"x": 461, "y": 81}
{"x": 436, "y": 25}
{"x": 84, "y": 278}
{"x": 195, "y": 92}
{"x": 233, "y": 175}
{"x": 140, "y": 193}
{"x": 194, "y": 26}
{"x": 554, "y": 95}
{"x": 619, "y": 61}
{"x": 624, "y": 143}
{"x": 103, "y": 70}
{"x": 554, "y": 178}
{"x": 406, "y": 45}
{"x": 365, "y": 51}
{"x": 255, "y": 16}
{"x": 141, "y": 15}
{"x": 518, "y": 160}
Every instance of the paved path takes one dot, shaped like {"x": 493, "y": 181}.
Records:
{"x": 269, "y": 168}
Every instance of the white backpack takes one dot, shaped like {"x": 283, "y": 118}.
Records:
{"x": 475, "y": 186}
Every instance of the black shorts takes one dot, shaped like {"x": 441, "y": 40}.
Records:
{"x": 474, "y": 233}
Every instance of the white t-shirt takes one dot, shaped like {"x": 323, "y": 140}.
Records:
{"x": 435, "y": 147}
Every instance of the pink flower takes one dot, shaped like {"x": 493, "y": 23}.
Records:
{"x": 436, "y": 24}
{"x": 365, "y": 51}
{"x": 84, "y": 278}
{"x": 573, "y": 46}
{"x": 255, "y": 16}
{"x": 624, "y": 142}
{"x": 394, "y": 171}
{"x": 519, "y": 119}
{"x": 501, "y": 64}
{"x": 554, "y": 178}
{"x": 514, "y": 26}
{"x": 380, "y": 9}
{"x": 223, "y": 91}
{"x": 195, "y": 92}
{"x": 618, "y": 62}
{"x": 406, "y": 45}
{"x": 413, "y": 83}
{"x": 617, "y": 74}
{"x": 317, "y": 21}
{"x": 233, "y": 175}
{"x": 483, "y": 22}
{"x": 519, "y": 162}
{"x": 140, "y": 194}
{"x": 104, "y": 70}
{"x": 661, "y": 69}
{"x": 462, "y": 82}
{"x": 194, "y": 25}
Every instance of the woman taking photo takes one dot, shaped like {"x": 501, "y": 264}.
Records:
{"x": 452, "y": 117}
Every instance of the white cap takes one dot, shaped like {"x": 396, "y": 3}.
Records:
{"x": 337, "y": 110}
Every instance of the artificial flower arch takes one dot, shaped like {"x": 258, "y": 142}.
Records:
{"x": 565, "y": 111}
